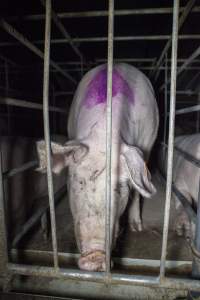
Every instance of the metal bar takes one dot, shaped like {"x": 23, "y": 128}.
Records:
{"x": 196, "y": 262}
{"x": 198, "y": 115}
{"x": 105, "y": 39}
{"x": 109, "y": 136}
{"x": 194, "y": 55}
{"x": 188, "y": 109}
{"x": 36, "y": 217}
{"x": 24, "y": 167}
{"x": 47, "y": 129}
{"x": 104, "y": 13}
{"x": 189, "y": 157}
{"x": 165, "y": 111}
{"x": 27, "y": 104}
{"x": 171, "y": 137}
{"x": 64, "y": 32}
{"x": 3, "y": 236}
{"x": 183, "y": 17}
{"x": 22, "y": 39}
{"x": 9, "y": 61}
{"x": 172, "y": 283}
{"x": 39, "y": 255}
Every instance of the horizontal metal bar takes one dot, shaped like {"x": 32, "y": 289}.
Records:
{"x": 40, "y": 255}
{"x": 64, "y": 32}
{"x": 24, "y": 167}
{"x": 27, "y": 104}
{"x": 188, "y": 157}
{"x": 104, "y": 13}
{"x": 36, "y": 217}
{"x": 23, "y": 40}
{"x": 187, "y": 9}
{"x": 105, "y": 39}
{"x": 81, "y": 275}
{"x": 172, "y": 283}
{"x": 191, "y": 58}
{"x": 187, "y": 110}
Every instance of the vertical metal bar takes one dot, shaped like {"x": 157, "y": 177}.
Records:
{"x": 165, "y": 110}
{"x": 109, "y": 134}
{"x": 46, "y": 128}
{"x": 196, "y": 262}
{"x": 171, "y": 136}
{"x": 198, "y": 114}
{"x": 3, "y": 237}
{"x": 7, "y": 90}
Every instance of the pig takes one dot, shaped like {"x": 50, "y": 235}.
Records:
{"x": 134, "y": 128}
{"x": 24, "y": 189}
{"x": 186, "y": 178}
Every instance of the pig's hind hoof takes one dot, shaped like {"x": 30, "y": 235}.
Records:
{"x": 136, "y": 226}
{"x": 182, "y": 226}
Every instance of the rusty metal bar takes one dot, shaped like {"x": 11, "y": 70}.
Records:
{"x": 47, "y": 129}
{"x": 22, "y": 39}
{"x": 104, "y": 13}
{"x": 185, "y": 13}
{"x": 108, "y": 199}
{"x": 27, "y": 104}
{"x": 171, "y": 137}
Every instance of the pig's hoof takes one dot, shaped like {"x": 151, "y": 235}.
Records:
{"x": 136, "y": 226}
{"x": 94, "y": 261}
{"x": 182, "y": 226}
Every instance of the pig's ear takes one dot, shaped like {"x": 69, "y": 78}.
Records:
{"x": 137, "y": 171}
{"x": 62, "y": 155}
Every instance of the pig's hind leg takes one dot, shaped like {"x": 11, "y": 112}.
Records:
{"x": 182, "y": 222}
{"x": 134, "y": 213}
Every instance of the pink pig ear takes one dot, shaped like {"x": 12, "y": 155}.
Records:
{"x": 137, "y": 171}
{"x": 62, "y": 155}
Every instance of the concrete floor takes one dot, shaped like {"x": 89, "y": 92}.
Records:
{"x": 145, "y": 244}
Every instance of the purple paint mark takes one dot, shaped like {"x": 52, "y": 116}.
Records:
{"x": 97, "y": 88}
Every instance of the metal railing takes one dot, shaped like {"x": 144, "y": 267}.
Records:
{"x": 106, "y": 277}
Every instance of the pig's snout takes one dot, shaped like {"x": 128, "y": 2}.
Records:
{"x": 94, "y": 261}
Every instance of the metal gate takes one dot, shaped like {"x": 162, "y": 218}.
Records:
{"x": 9, "y": 269}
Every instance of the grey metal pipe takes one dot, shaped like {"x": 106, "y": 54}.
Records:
{"x": 185, "y": 13}
{"x": 104, "y": 13}
{"x": 36, "y": 217}
{"x": 27, "y": 104}
{"x": 198, "y": 115}
{"x": 108, "y": 199}
{"x": 17, "y": 35}
{"x": 188, "y": 109}
{"x": 194, "y": 55}
{"x": 24, "y": 167}
{"x": 47, "y": 129}
{"x": 171, "y": 137}
{"x": 64, "y": 32}
{"x": 165, "y": 115}
{"x": 3, "y": 235}
{"x": 140, "y": 280}
{"x": 105, "y": 39}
